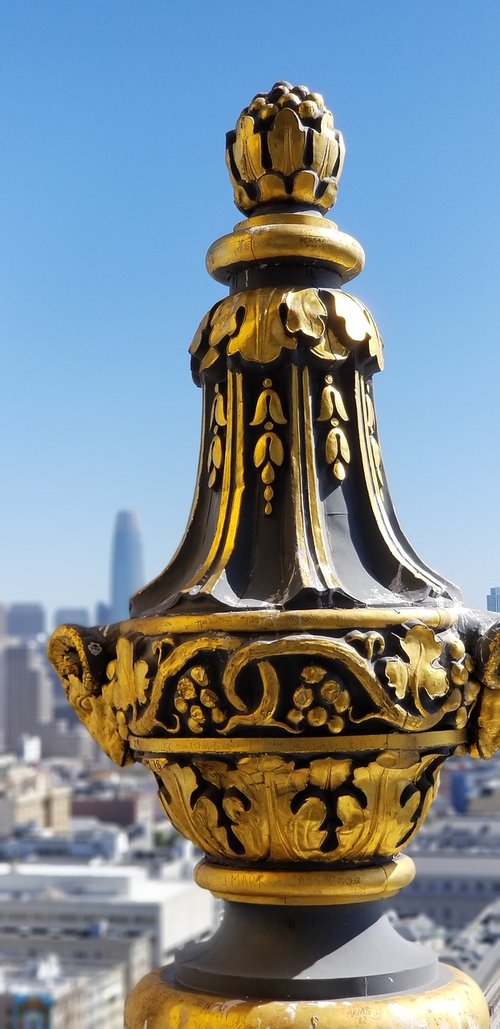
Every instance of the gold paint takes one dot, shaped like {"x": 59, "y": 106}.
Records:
{"x": 450, "y": 738}
{"x": 218, "y": 421}
{"x": 158, "y": 1003}
{"x": 332, "y": 408}
{"x": 316, "y": 514}
{"x": 234, "y": 497}
{"x": 269, "y": 238}
{"x": 286, "y": 142}
{"x": 424, "y": 648}
{"x": 274, "y": 620}
{"x": 93, "y": 707}
{"x": 298, "y": 498}
{"x": 270, "y": 808}
{"x": 304, "y": 153}
{"x": 283, "y": 887}
{"x": 268, "y": 452}
{"x": 226, "y": 501}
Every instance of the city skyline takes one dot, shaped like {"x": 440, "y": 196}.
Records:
{"x": 114, "y": 186}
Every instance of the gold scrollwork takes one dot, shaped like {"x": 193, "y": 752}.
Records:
{"x": 414, "y": 681}
{"x": 275, "y": 808}
{"x": 260, "y": 323}
{"x": 268, "y": 452}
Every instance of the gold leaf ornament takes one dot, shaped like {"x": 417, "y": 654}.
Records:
{"x": 247, "y": 150}
{"x": 131, "y": 678}
{"x": 261, "y": 335}
{"x": 268, "y": 408}
{"x": 325, "y": 148}
{"x": 269, "y": 446}
{"x": 332, "y": 404}
{"x": 306, "y": 313}
{"x": 422, "y": 673}
{"x": 286, "y": 141}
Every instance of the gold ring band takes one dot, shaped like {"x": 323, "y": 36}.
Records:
{"x": 289, "y": 887}
{"x": 305, "y": 745}
{"x": 286, "y": 621}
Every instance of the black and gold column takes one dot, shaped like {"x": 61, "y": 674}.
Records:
{"x": 297, "y": 675}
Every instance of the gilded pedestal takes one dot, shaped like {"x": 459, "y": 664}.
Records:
{"x": 297, "y": 675}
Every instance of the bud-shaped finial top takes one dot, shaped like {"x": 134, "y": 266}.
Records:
{"x": 285, "y": 150}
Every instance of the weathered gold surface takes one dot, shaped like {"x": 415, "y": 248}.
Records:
{"x": 260, "y": 323}
{"x": 285, "y": 148}
{"x": 160, "y": 1004}
{"x": 290, "y": 621}
{"x": 274, "y": 237}
{"x": 262, "y": 886}
{"x": 278, "y": 735}
{"x": 280, "y": 809}
{"x": 412, "y": 678}
{"x": 150, "y": 746}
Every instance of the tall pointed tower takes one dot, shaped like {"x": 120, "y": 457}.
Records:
{"x": 126, "y": 563}
{"x": 297, "y": 675}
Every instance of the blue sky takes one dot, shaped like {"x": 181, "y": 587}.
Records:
{"x": 112, "y": 187}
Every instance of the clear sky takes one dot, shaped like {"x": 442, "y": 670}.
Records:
{"x": 112, "y": 187}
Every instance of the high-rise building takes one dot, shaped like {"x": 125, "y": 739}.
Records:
{"x": 25, "y": 620}
{"x": 126, "y": 564}
{"x": 102, "y": 613}
{"x": 28, "y": 690}
{"x": 71, "y": 616}
{"x": 493, "y": 599}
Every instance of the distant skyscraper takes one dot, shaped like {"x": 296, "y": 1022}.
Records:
{"x": 126, "y": 564}
{"x": 102, "y": 613}
{"x": 27, "y": 691}
{"x": 493, "y": 599}
{"x": 71, "y": 616}
{"x": 25, "y": 620}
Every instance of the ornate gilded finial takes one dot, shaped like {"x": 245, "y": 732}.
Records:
{"x": 297, "y": 675}
{"x": 285, "y": 150}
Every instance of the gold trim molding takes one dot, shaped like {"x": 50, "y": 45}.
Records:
{"x": 284, "y": 887}
{"x": 397, "y": 741}
{"x": 307, "y": 237}
{"x": 160, "y": 1004}
{"x": 286, "y": 621}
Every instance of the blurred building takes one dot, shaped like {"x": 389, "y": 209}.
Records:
{"x": 71, "y": 616}
{"x": 98, "y": 945}
{"x": 29, "y": 795}
{"x": 457, "y": 870}
{"x": 56, "y": 898}
{"x": 49, "y": 992}
{"x": 102, "y": 613}
{"x": 493, "y": 599}
{"x": 126, "y": 564}
{"x": 25, "y": 620}
{"x": 27, "y": 690}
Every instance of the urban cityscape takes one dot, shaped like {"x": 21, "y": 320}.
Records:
{"x": 95, "y": 885}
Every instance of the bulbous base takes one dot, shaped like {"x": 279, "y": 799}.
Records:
{"x": 456, "y": 1002}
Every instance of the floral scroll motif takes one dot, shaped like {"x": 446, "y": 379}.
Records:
{"x": 423, "y": 678}
{"x": 259, "y": 324}
{"x": 292, "y": 685}
{"x": 278, "y": 809}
